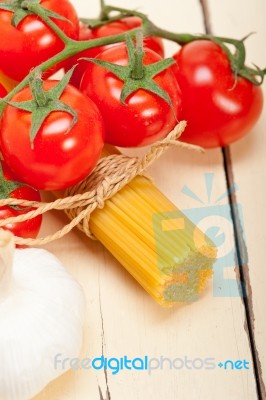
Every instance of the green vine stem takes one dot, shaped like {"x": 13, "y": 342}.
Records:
{"x": 97, "y": 22}
{"x": 237, "y": 59}
{"x": 73, "y": 47}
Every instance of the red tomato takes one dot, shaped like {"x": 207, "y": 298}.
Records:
{"x": 219, "y": 107}
{"x": 32, "y": 41}
{"x": 113, "y": 28}
{"x": 145, "y": 117}
{"x": 3, "y": 91}
{"x": 25, "y": 229}
{"x": 61, "y": 156}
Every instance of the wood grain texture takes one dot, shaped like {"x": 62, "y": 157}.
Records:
{"x": 248, "y": 163}
{"x": 121, "y": 319}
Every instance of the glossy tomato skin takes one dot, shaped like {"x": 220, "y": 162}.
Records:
{"x": 113, "y": 28}
{"x": 32, "y": 41}
{"x": 218, "y": 109}
{"x": 61, "y": 155}
{"x": 3, "y": 91}
{"x": 26, "y": 229}
{"x": 145, "y": 117}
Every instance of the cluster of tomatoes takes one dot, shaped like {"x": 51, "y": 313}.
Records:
{"x": 218, "y": 106}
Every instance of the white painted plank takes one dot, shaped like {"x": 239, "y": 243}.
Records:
{"x": 248, "y": 155}
{"x": 133, "y": 324}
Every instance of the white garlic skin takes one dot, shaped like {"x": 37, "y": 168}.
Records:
{"x": 41, "y": 316}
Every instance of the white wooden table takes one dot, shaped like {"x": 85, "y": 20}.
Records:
{"x": 121, "y": 318}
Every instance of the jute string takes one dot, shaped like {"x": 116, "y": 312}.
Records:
{"x": 110, "y": 175}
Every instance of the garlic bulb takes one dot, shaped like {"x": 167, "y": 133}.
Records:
{"x": 41, "y": 315}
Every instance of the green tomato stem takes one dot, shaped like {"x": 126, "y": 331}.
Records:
{"x": 103, "y": 13}
{"x": 125, "y": 12}
{"x": 36, "y": 87}
{"x": 97, "y": 22}
{"x": 137, "y": 68}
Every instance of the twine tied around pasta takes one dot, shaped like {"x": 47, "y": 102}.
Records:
{"x": 110, "y": 175}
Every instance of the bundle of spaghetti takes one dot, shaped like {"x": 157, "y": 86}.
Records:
{"x": 150, "y": 237}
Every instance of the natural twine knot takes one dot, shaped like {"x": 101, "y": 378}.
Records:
{"x": 110, "y": 175}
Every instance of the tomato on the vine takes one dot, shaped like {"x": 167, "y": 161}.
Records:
{"x": 32, "y": 41}
{"x": 61, "y": 154}
{"x": 110, "y": 29}
{"x": 219, "y": 106}
{"x": 25, "y": 229}
{"x": 145, "y": 117}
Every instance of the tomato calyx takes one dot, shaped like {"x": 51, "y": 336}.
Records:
{"x": 22, "y": 9}
{"x": 44, "y": 102}
{"x": 7, "y": 186}
{"x": 136, "y": 75}
{"x": 237, "y": 59}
